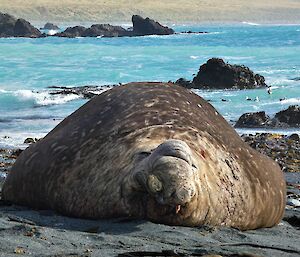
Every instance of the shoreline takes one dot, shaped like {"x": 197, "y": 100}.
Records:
{"x": 127, "y": 24}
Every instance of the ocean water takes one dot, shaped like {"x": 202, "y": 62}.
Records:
{"x": 29, "y": 66}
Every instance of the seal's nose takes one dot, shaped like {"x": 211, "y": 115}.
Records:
{"x": 184, "y": 195}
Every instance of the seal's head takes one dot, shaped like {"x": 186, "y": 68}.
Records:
{"x": 168, "y": 176}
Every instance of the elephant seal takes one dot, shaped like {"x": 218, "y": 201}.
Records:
{"x": 155, "y": 151}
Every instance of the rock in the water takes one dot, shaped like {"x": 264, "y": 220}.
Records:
{"x": 50, "y": 25}
{"x": 291, "y": 116}
{"x": 30, "y": 140}
{"x": 7, "y": 24}
{"x": 105, "y": 30}
{"x": 142, "y": 27}
{"x": 184, "y": 83}
{"x": 294, "y": 137}
{"x": 283, "y": 119}
{"x": 12, "y": 27}
{"x": 217, "y": 74}
{"x": 254, "y": 120}
{"x": 24, "y": 29}
{"x": 296, "y": 79}
{"x": 72, "y": 32}
{"x": 83, "y": 91}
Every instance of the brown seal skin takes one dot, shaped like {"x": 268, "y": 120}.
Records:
{"x": 149, "y": 150}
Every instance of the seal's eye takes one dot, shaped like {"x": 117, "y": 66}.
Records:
{"x": 154, "y": 184}
{"x": 144, "y": 154}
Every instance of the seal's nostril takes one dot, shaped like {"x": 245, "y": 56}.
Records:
{"x": 173, "y": 195}
{"x": 183, "y": 194}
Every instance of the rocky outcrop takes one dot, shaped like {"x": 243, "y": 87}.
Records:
{"x": 142, "y": 27}
{"x": 83, "y": 91}
{"x": 30, "y": 140}
{"x": 7, "y": 24}
{"x": 105, "y": 30}
{"x": 72, "y": 32}
{"x": 285, "y": 150}
{"x": 283, "y": 119}
{"x": 24, "y": 29}
{"x": 253, "y": 120}
{"x": 291, "y": 116}
{"x": 184, "y": 83}
{"x": 50, "y": 26}
{"x": 11, "y": 27}
{"x": 96, "y": 30}
{"x": 216, "y": 74}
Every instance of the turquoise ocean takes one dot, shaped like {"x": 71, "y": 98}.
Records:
{"x": 29, "y": 66}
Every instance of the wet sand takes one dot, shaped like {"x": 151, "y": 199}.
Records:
{"x": 44, "y": 233}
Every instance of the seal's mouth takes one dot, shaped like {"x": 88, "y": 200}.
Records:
{"x": 171, "y": 208}
{"x": 174, "y": 210}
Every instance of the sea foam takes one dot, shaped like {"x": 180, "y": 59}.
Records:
{"x": 44, "y": 98}
{"x": 251, "y": 23}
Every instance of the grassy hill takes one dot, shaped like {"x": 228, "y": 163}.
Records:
{"x": 175, "y": 11}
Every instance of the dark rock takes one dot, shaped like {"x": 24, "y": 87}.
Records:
{"x": 184, "y": 83}
{"x": 84, "y": 91}
{"x": 283, "y": 119}
{"x": 7, "y": 24}
{"x": 142, "y": 27}
{"x": 281, "y": 148}
{"x": 254, "y": 119}
{"x": 105, "y": 30}
{"x": 16, "y": 153}
{"x": 296, "y": 79}
{"x": 291, "y": 116}
{"x": 194, "y": 32}
{"x": 49, "y": 26}
{"x": 294, "y": 137}
{"x": 72, "y": 32}
{"x": 30, "y": 140}
{"x": 11, "y": 27}
{"x": 96, "y": 30}
{"x": 217, "y": 74}
{"x": 24, "y": 29}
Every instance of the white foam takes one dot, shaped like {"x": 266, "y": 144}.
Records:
{"x": 194, "y": 57}
{"x": 44, "y": 98}
{"x": 52, "y": 32}
{"x": 291, "y": 101}
{"x": 237, "y": 58}
{"x": 158, "y": 36}
{"x": 290, "y": 131}
{"x": 279, "y": 82}
{"x": 251, "y": 23}
{"x": 215, "y": 33}
{"x": 3, "y": 175}
{"x": 15, "y": 139}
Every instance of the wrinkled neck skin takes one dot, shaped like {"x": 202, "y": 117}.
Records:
{"x": 164, "y": 186}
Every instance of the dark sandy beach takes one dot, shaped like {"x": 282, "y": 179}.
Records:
{"x": 43, "y": 233}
